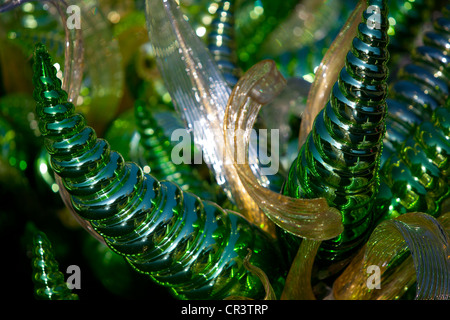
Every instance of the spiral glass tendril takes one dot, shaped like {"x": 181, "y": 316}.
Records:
{"x": 193, "y": 246}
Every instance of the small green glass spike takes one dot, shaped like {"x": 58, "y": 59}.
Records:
{"x": 194, "y": 247}
{"x": 48, "y": 280}
{"x": 340, "y": 158}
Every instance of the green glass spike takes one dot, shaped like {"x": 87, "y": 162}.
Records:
{"x": 340, "y": 158}
{"x": 415, "y": 165}
{"x": 48, "y": 280}
{"x": 194, "y": 247}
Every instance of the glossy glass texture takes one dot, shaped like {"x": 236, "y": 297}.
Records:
{"x": 200, "y": 94}
{"x": 413, "y": 247}
{"x": 192, "y": 246}
{"x": 88, "y": 53}
{"x": 154, "y": 150}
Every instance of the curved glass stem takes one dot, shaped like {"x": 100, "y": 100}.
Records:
{"x": 412, "y": 247}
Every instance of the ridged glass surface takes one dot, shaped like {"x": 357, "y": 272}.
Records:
{"x": 340, "y": 158}
{"x": 413, "y": 247}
